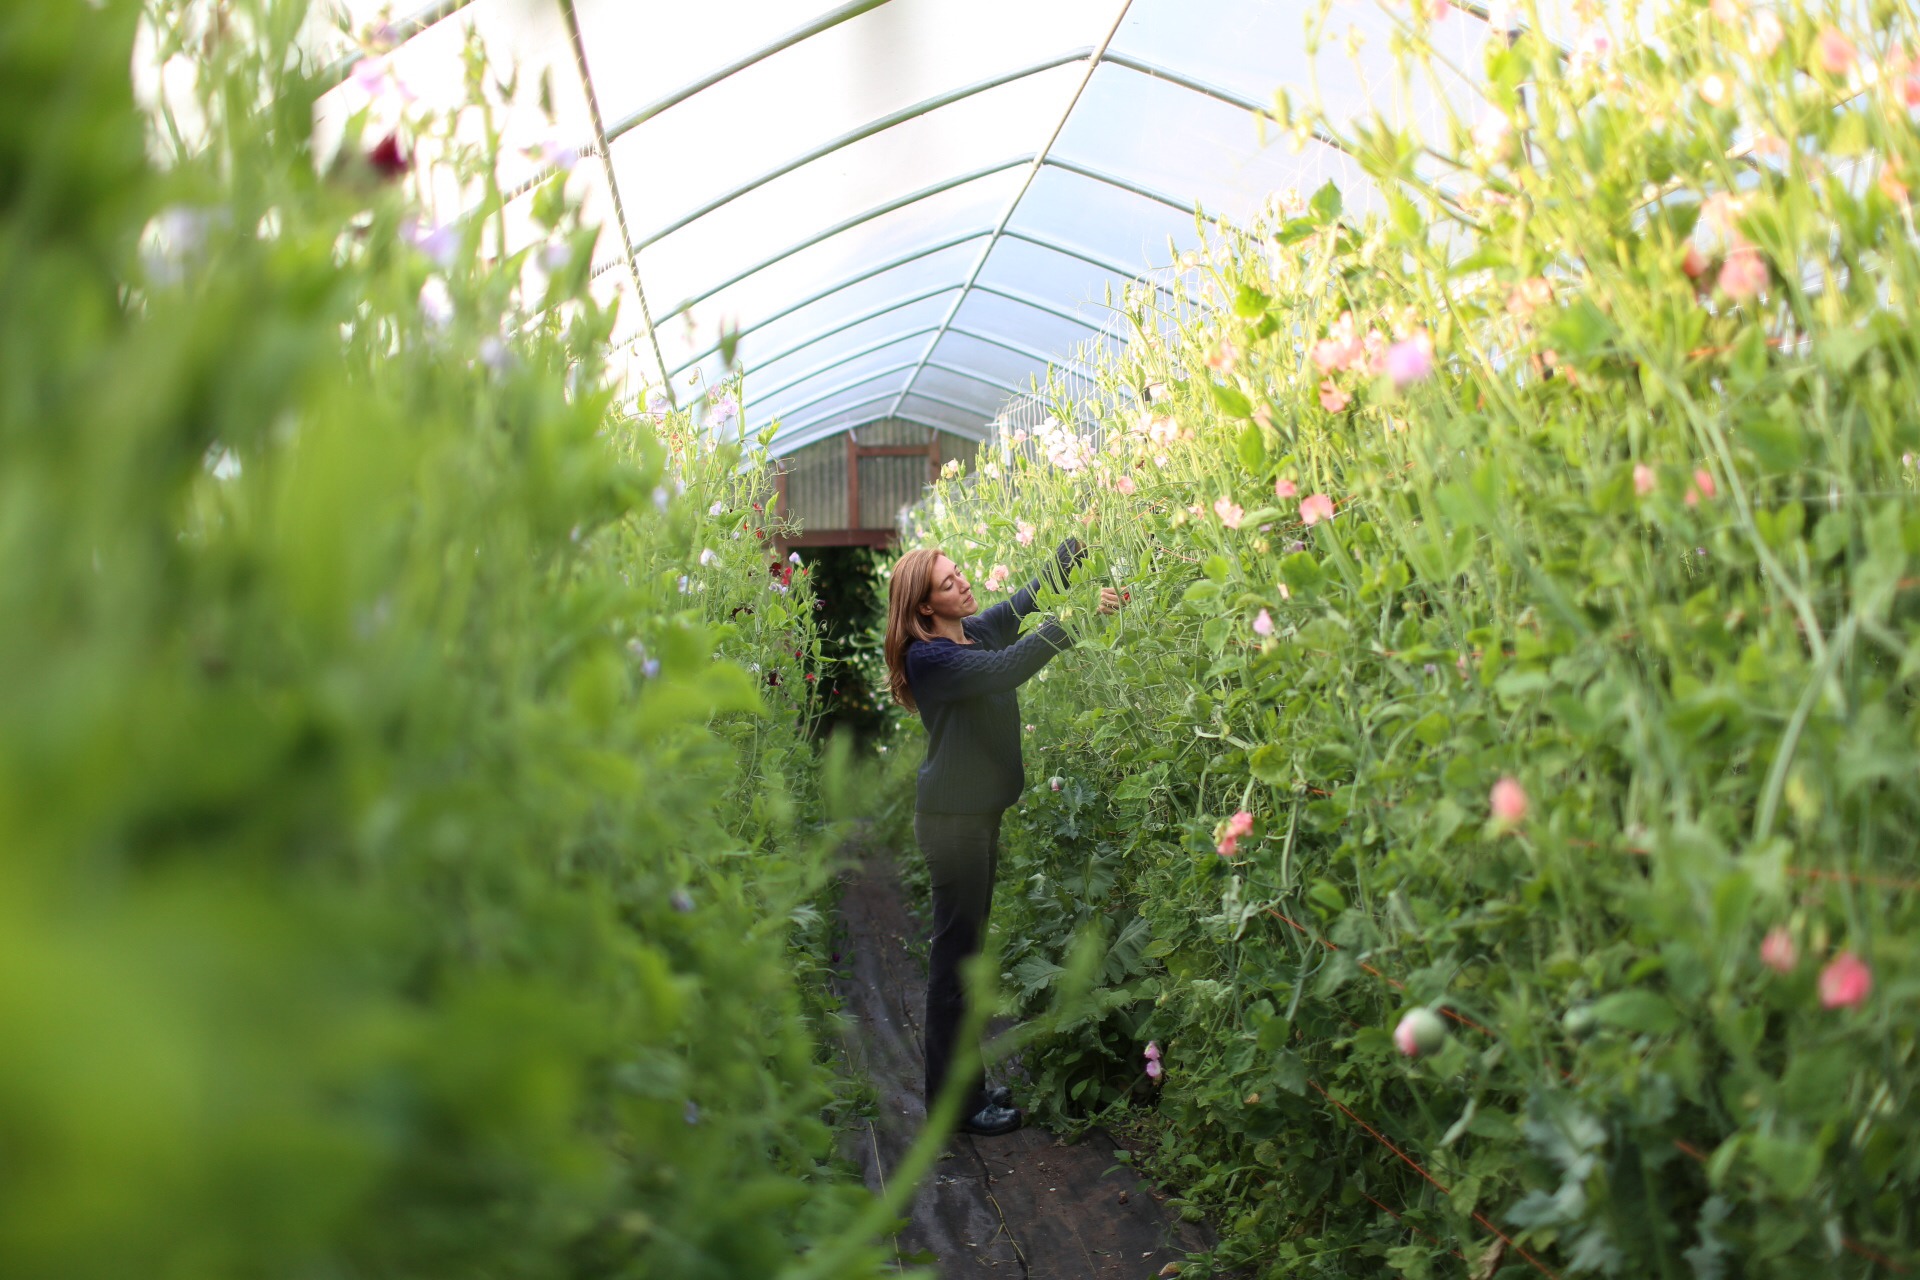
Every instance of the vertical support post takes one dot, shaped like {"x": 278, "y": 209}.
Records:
{"x": 933, "y": 454}
{"x": 853, "y": 482}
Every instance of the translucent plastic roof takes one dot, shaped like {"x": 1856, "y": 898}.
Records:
{"x": 908, "y": 207}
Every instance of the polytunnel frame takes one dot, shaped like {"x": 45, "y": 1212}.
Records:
{"x": 1094, "y": 56}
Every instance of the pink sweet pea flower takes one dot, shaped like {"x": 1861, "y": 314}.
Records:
{"x": 1845, "y": 981}
{"x": 1023, "y": 533}
{"x": 1240, "y": 824}
{"x": 1642, "y": 479}
{"x": 1228, "y": 846}
{"x": 1284, "y": 488}
{"x": 1777, "y": 951}
{"x": 1153, "y": 1060}
{"x": 1125, "y": 485}
{"x": 1695, "y": 262}
{"x": 1410, "y": 361}
{"x": 1744, "y": 274}
{"x": 1508, "y": 801}
{"x": 1263, "y": 624}
{"x": 1316, "y": 507}
{"x": 1702, "y": 487}
{"x": 1230, "y": 514}
{"x": 1833, "y": 52}
{"x": 1332, "y": 398}
{"x": 1338, "y": 350}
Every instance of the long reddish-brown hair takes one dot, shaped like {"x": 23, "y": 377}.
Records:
{"x": 912, "y": 583}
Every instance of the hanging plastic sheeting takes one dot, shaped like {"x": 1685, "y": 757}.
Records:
{"x": 912, "y": 209}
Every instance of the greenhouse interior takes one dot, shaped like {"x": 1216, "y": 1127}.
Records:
{"x": 1242, "y": 638}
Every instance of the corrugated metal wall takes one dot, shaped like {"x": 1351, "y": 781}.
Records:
{"x": 817, "y": 476}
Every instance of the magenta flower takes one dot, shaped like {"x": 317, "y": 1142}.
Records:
{"x": 1263, "y": 624}
{"x": 1229, "y": 512}
{"x": 1508, "y": 801}
{"x": 1315, "y": 508}
{"x": 1153, "y": 1060}
{"x": 1420, "y": 1033}
{"x": 387, "y": 159}
{"x": 1845, "y": 981}
{"x": 1410, "y": 361}
{"x": 1777, "y": 951}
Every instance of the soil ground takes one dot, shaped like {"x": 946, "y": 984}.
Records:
{"x": 1024, "y": 1205}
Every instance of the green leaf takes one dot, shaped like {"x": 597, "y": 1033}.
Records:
{"x": 1642, "y": 1011}
{"x": 1249, "y": 303}
{"x": 1271, "y": 764}
{"x": 1325, "y": 204}
{"x": 1231, "y": 400}
{"x": 1253, "y": 449}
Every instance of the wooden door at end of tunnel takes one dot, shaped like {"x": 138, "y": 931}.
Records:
{"x": 1023, "y": 1205}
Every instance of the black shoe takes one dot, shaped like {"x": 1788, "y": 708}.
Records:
{"x": 1000, "y": 1096}
{"x": 991, "y": 1121}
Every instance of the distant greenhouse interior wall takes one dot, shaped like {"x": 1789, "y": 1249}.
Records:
{"x": 872, "y": 472}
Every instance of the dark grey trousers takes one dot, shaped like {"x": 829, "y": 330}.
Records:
{"x": 963, "y": 853}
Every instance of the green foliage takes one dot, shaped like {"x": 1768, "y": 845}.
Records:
{"x": 411, "y": 853}
{"x": 1640, "y": 539}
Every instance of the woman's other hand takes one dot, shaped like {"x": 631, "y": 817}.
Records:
{"x": 1109, "y": 600}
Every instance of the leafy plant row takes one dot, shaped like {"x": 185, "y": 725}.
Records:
{"x": 411, "y": 840}
{"x": 1496, "y": 801}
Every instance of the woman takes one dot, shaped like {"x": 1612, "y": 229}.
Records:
{"x": 960, "y": 671}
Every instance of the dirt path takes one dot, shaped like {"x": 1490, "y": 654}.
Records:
{"x": 1022, "y": 1205}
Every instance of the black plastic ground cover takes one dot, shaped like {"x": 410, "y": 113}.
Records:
{"x": 1022, "y": 1205}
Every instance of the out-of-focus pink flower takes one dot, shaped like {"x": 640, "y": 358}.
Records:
{"x": 1508, "y": 801}
{"x": 1528, "y": 296}
{"x": 1642, "y": 479}
{"x": 1720, "y": 211}
{"x": 1229, "y": 512}
{"x": 1702, "y": 487}
{"x": 1263, "y": 624}
{"x": 441, "y": 244}
{"x": 1744, "y": 274}
{"x": 1284, "y": 488}
{"x": 1023, "y": 533}
{"x": 1903, "y": 73}
{"x": 1223, "y": 357}
{"x": 997, "y": 577}
{"x": 1420, "y": 1033}
{"x": 1890, "y": 184}
{"x": 1340, "y": 348}
{"x": 1153, "y": 1060}
{"x": 1315, "y": 507}
{"x": 1832, "y": 52}
{"x": 1240, "y": 824}
{"x": 1727, "y": 11}
{"x": 1777, "y": 951}
{"x": 1845, "y": 981}
{"x": 1591, "y": 48}
{"x": 1228, "y": 846}
{"x": 1764, "y": 34}
{"x": 1695, "y": 262}
{"x": 1125, "y": 485}
{"x": 378, "y": 80}
{"x": 1154, "y": 1070}
{"x": 1410, "y": 361}
{"x": 1332, "y": 398}
{"x": 658, "y": 404}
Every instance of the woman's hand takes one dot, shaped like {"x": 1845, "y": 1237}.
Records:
{"x": 1109, "y": 600}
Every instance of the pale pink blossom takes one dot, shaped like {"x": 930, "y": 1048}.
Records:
{"x": 1903, "y": 73}
{"x": 1125, "y": 485}
{"x": 1332, "y": 398}
{"x": 1720, "y": 211}
{"x": 1845, "y": 981}
{"x": 1764, "y": 34}
{"x": 1727, "y": 11}
{"x": 1410, "y": 361}
{"x": 1508, "y": 801}
{"x": 1153, "y": 1051}
{"x": 1263, "y": 624}
{"x": 1228, "y": 846}
{"x": 1592, "y": 46}
{"x": 997, "y": 577}
{"x": 1777, "y": 951}
{"x": 1528, "y": 296}
{"x": 1695, "y": 262}
{"x": 1702, "y": 487}
{"x": 1223, "y": 357}
{"x": 1240, "y": 824}
{"x": 1833, "y": 53}
{"x": 1642, "y": 479}
{"x": 1284, "y": 488}
{"x": 1744, "y": 273}
{"x": 1316, "y": 507}
{"x": 1023, "y": 533}
{"x": 1229, "y": 512}
{"x": 1340, "y": 348}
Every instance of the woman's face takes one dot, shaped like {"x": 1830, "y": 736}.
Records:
{"x": 952, "y": 594}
